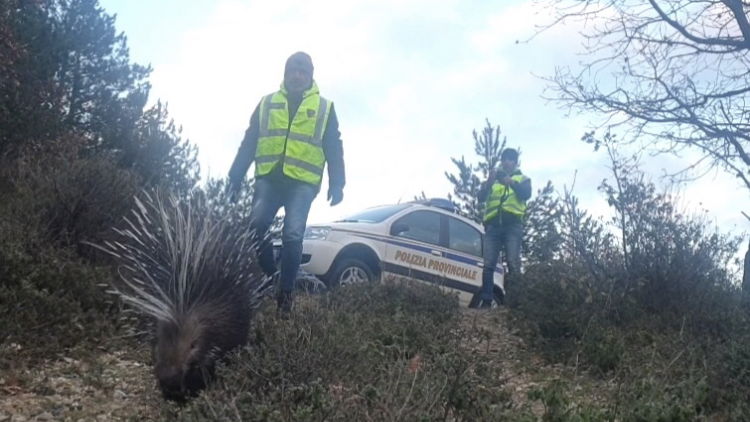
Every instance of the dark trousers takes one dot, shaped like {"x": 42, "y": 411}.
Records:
{"x": 269, "y": 195}
{"x": 500, "y": 236}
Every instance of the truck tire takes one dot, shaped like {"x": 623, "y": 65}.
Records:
{"x": 350, "y": 271}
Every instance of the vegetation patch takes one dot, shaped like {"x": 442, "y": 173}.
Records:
{"x": 378, "y": 352}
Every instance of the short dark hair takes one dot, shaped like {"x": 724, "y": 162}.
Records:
{"x": 509, "y": 154}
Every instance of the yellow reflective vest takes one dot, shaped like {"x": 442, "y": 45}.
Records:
{"x": 296, "y": 145}
{"x": 504, "y": 198}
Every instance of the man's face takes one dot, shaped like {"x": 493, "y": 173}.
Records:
{"x": 297, "y": 79}
{"x": 509, "y": 165}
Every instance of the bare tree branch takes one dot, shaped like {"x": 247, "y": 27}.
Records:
{"x": 670, "y": 74}
{"x": 740, "y": 16}
{"x": 682, "y": 30}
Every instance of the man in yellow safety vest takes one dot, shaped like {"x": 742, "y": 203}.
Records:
{"x": 504, "y": 194}
{"x": 293, "y": 133}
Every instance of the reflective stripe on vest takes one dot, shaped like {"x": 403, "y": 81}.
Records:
{"x": 299, "y": 145}
{"x": 505, "y": 198}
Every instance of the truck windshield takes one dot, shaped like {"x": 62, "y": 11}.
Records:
{"x": 374, "y": 215}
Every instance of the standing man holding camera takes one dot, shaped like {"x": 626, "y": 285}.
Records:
{"x": 504, "y": 194}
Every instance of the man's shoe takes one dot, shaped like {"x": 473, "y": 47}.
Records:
{"x": 284, "y": 303}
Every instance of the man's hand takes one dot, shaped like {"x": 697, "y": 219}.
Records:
{"x": 335, "y": 195}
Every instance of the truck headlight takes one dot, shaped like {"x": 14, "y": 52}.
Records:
{"x": 317, "y": 233}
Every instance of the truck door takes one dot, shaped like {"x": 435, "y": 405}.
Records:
{"x": 414, "y": 245}
{"x": 464, "y": 272}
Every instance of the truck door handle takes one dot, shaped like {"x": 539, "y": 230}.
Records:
{"x": 480, "y": 264}
{"x": 436, "y": 253}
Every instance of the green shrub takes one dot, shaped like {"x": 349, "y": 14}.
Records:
{"x": 650, "y": 399}
{"x": 673, "y": 261}
{"x": 71, "y": 200}
{"x": 383, "y": 352}
{"x": 558, "y": 406}
{"x": 665, "y": 263}
{"x": 50, "y": 297}
{"x": 602, "y": 349}
{"x": 647, "y": 299}
{"x": 50, "y": 300}
{"x": 733, "y": 367}
{"x": 556, "y": 301}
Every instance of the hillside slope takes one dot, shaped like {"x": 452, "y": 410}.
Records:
{"x": 395, "y": 352}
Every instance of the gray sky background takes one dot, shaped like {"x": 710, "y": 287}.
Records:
{"x": 410, "y": 79}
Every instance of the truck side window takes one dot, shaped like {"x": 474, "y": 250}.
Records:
{"x": 423, "y": 226}
{"x": 462, "y": 237}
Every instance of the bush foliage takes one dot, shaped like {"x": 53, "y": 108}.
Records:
{"x": 653, "y": 284}
{"x": 76, "y": 143}
{"x": 368, "y": 352}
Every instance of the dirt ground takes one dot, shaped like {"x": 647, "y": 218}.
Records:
{"x": 103, "y": 386}
{"x": 106, "y": 385}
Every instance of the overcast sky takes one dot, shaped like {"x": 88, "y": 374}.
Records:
{"x": 410, "y": 79}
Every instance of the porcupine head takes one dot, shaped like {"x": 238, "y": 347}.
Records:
{"x": 188, "y": 346}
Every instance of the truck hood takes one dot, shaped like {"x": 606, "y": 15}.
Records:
{"x": 375, "y": 228}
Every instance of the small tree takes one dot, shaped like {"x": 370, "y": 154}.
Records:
{"x": 30, "y": 101}
{"x": 158, "y": 153}
{"x": 466, "y": 184}
{"x": 543, "y": 237}
{"x": 68, "y": 89}
{"x": 103, "y": 92}
{"x": 10, "y": 52}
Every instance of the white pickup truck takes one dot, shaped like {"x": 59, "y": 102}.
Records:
{"x": 425, "y": 240}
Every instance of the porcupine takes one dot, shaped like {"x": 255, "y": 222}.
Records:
{"x": 192, "y": 268}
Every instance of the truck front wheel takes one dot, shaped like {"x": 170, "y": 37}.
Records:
{"x": 351, "y": 271}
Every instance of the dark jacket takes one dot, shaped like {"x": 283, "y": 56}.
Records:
{"x": 522, "y": 191}
{"x": 332, "y": 148}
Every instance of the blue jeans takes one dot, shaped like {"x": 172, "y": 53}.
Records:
{"x": 271, "y": 193}
{"x": 498, "y": 236}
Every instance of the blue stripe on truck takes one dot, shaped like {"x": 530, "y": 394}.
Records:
{"x": 421, "y": 248}
{"x": 431, "y": 278}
